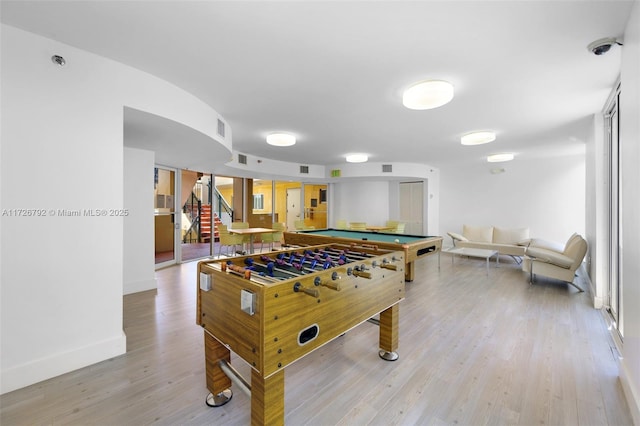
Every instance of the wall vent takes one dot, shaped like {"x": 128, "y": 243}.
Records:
{"x": 304, "y": 170}
{"x": 242, "y": 159}
{"x": 221, "y": 127}
{"x": 387, "y": 168}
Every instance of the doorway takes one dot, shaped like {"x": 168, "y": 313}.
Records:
{"x": 165, "y": 216}
{"x": 198, "y": 221}
{"x": 412, "y": 206}
{"x": 293, "y": 207}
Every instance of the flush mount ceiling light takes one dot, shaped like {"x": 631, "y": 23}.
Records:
{"x": 428, "y": 94}
{"x": 499, "y": 158}
{"x": 478, "y": 138}
{"x": 357, "y": 158}
{"x": 281, "y": 139}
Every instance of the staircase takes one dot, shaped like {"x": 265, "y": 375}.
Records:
{"x": 205, "y": 224}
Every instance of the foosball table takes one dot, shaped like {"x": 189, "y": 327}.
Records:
{"x": 273, "y": 309}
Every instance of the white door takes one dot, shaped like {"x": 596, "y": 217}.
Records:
{"x": 293, "y": 208}
{"x": 412, "y": 207}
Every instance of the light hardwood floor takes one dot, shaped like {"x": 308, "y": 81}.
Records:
{"x": 473, "y": 350}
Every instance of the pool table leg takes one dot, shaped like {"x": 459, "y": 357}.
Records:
{"x": 409, "y": 271}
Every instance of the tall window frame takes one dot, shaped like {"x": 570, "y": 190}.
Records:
{"x": 615, "y": 231}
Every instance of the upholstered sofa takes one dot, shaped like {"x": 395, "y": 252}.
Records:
{"x": 507, "y": 241}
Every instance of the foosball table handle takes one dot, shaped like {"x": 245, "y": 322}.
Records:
{"x": 329, "y": 284}
{"x": 297, "y": 287}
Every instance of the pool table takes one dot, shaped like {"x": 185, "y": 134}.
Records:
{"x": 414, "y": 246}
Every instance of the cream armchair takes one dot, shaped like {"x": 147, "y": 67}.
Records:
{"x": 548, "y": 259}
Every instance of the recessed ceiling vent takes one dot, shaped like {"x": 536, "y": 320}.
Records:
{"x": 242, "y": 159}
{"x": 304, "y": 170}
{"x": 221, "y": 127}
{"x": 387, "y": 168}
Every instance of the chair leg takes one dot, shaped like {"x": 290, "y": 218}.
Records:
{"x": 532, "y": 277}
{"x": 575, "y": 285}
{"x": 530, "y": 271}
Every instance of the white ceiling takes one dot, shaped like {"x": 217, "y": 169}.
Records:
{"x": 333, "y": 72}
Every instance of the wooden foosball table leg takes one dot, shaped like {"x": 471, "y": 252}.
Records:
{"x": 267, "y": 399}
{"x": 217, "y": 382}
{"x": 389, "y": 319}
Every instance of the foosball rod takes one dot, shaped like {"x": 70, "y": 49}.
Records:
{"x": 280, "y": 262}
{"x": 349, "y": 253}
{"x": 323, "y": 254}
{"x": 285, "y": 271}
{"x": 352, "y": 255}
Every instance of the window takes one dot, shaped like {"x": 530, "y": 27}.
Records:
{"x": 258, "y": 201}
{"x": 612, "y": 124}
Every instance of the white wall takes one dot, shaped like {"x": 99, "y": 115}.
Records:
{"x": 546, "y": 195}
{"x": 630, "y": 141}
{"x": 139, "y": 261}
{"x": 62, "y": 277}
{"x": 361, "y": 201}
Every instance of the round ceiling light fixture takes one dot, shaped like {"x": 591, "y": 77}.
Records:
{"x": 428, "y": 94}
{"x": 478, "y": 138}
{"x": 357, "y": 158}
{"x": 499, "y": 158}
{"x": 281, "y": 139}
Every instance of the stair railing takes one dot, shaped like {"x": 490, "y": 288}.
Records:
{"x": 222, "y": 206}
{"x": 188, "y": 209}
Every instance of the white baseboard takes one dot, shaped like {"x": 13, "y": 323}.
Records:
{"x": 46, "y": 368}
{"x": 138, "y": 286}
{"x": 630, "y": 392}
{"x": 598, "y": 301}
